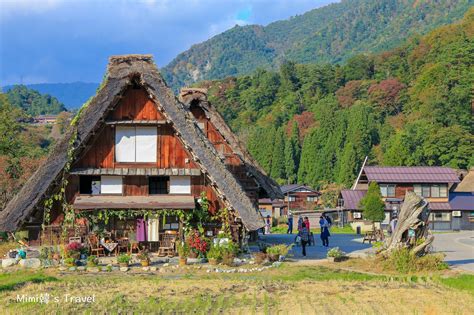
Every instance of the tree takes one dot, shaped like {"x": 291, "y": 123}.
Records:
{"x": 372, "y": 204}
{"x": 278, "y": 156}
{"x": 292, "y": 155}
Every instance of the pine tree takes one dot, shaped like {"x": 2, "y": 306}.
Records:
{"x": 372, "y": 204}
{"x": 278, "y": 156}
{"x": 292, "y": 155}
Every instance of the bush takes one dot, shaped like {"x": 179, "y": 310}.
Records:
{"x": 92, "y": 261}
{"x": 335, "y": 252}
{"x": 124, "y": 259}
{"x": 143, "y": 255}
{"x": 280, "y": 249}
{"x": 405, "y": 261}
{"x": 70, "y": 261}
{"x": 215, "y": 252}
{"x": 183, "y": 249}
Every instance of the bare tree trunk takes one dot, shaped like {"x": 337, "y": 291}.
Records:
{"x": 412, "y": 219}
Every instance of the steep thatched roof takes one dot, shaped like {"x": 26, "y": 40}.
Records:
{"x": 122, "y": 72}
{"x": 199, "y": 96}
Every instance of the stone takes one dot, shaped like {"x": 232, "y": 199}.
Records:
{"x": 81, "y": 268}
{"x": 93, "y": 269}
{"x": 8, "y": 262}
{"x": 115, "y": 268}
{"x": 153, "y": 268}
{"x": 33, "y": 263}
{"x": 146, "y": 268}
{"x": 161, "y": 270}
{"x": 72, "y": 269}
{"x": 124, "y": 269}
{"x": 62, "y": 268}
{"x": 166, "y": 265}
{"x": 276, "y": 264}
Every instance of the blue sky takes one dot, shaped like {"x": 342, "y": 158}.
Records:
{"x": 49, "y": 41}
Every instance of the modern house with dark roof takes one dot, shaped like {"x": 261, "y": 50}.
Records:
{"x": 136, "y": 147}
{"x": 300, "y": 197}
{"x": 436, "y": 184}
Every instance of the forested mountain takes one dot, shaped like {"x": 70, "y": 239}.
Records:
{"x": 330, "y": 34}
{"x": 315, "y": 123}
{"x": 32, "y": 102}
{"x": 72, "y": 95}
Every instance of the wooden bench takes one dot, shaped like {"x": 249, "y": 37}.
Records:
{"x": 374, "y": 236}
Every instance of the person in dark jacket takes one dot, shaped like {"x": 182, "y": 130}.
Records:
{"x": 324, "y": 224}
{"x": 290, "y": 223}
{"x": 304, "y": 235}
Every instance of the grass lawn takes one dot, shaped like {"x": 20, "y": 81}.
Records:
{"x": 289, "y": 289}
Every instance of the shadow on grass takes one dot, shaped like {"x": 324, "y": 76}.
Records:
{"x": 12, "y": 281}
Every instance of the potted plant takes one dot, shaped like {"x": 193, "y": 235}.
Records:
{"x": 273, "y": 253}
{"x": 198, "y": 245}
{"x": 144, "y": 258}
{"x": 183, "y": 252}
{"x": 214, "y": 255}
{"x": 70, "y": 262}
{"x": 92, "y": 261}
{"x": 74, "y": 250}
{"x": 335, "y": 255}
{"x": 229, "y": 250}
{"x": 124, "y": 260}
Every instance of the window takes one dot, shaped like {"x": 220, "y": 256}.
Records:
{"x": 434, "y": 190}
{"x": 440, "y": 216}
{"x": 136, "y": 144}
{"x": 425, "y": 190}
{"x": 387, "y": 190}
{"x": 311, "y": 198}
{"x": 89, "y": 185}
{"x": 291, "y": 198}
{"x": 111, "y": 185}
{"x": 158, "y": 185}
{"x": 180, "y": 185}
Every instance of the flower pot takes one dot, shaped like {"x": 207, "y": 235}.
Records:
{"x": 193, "y": 254}
{"x": 213, "y": 261}
{"x": 123, "y": 264}
{"x": 145, "y": 263}
{"x": 183, "y": 261}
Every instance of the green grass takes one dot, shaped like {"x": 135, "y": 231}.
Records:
{"x": 10, "y": 281}
{"x": 461, "y": 282}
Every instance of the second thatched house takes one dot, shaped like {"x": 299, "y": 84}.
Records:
{"x": 133, "y": 151}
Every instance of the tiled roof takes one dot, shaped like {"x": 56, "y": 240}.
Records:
{"x": 439, "y": 206}
{"x": 352, "y": 198}
{"x": 461, "y": 200}
{"x": 415, "y": 174}
{"x": 292, "y": 187}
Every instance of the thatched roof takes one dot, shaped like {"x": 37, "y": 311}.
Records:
{"x": 467, "y": 183}
{"x": 198, "y": 96}
{"x": 122, "y": 72}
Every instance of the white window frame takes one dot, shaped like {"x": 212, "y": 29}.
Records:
{"x": 291, "y": 198}
{"x": 385, "y": 189}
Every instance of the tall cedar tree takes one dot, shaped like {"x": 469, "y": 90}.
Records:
{"x": 278, "y": 156}
{"x": 372, "y": 204}
{"x": 292, "y": 155}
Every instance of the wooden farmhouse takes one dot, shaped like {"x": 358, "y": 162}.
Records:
{"x": 135, "y": 148}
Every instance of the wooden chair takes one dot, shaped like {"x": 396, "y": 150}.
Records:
{"x": 123, "y": 245}
{"x": 95, "y": 246}
{"x": 167, "y": 244}
{"x": 370, "y": 236}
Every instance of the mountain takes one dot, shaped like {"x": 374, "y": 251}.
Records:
{"x": 315, "y": 123}
{"x": 34, "y": 103}
{"x": 331, "y": 34}
{"x": 72, "y": 95}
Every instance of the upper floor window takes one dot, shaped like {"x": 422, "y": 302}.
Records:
{"x": 387, "y": 190}
{"x": 158, "y": 185}
{"x": 95, "y": 185}
{"x": 433, "y": 190}
{"x": 135, "y": 144}
{"x": 312, "y": 198}
{"x": 291, "y": 198}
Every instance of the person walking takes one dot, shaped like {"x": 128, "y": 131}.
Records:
{"x": 290, "y": 223}
{"x": 324, "y": 224}
{"x": 306, "y": 222}
{"x": 267, "y": 225}
{"x": 300, "y": 223}
{"x": 304, "y": 235}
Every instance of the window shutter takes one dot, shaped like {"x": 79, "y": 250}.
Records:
{"x": 146, "y": 144}
{"x": 111, "y": 185}
{"x": 180, "y": 185}
{"x": 125, "y": 144}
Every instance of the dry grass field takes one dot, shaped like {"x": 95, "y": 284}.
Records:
{"x": 285, "y": 290}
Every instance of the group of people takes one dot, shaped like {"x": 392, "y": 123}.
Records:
{"x": 305, "y": 234}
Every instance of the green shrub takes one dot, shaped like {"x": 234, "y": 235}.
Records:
{"x": 124, "y": 259}
{"x": 183, "y": 249}
{"x": 215, "y": 252}
{"x": 405, "y": 261}
{"x": 92, "y": 261}
{"x": 280, "y": 249}
{"x": 70, "y": 261}
{"x": 335, "y": 252}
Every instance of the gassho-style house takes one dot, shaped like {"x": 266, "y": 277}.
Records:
{"x": 134, "y": 151}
